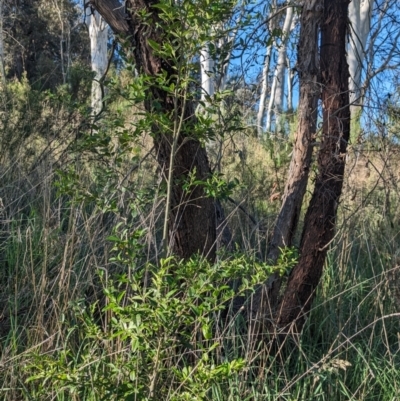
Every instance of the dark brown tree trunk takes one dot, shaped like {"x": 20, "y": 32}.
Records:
{"x": 192, "y": 217}
{"x": 319, "y": 225}
{"x": 266, "y": 297}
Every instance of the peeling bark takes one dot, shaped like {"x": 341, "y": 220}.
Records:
{"x": 319, "y": 225}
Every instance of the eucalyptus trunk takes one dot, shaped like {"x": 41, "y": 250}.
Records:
{"x": 98, "y": 35}
{"x": 264, "y": 91}
{"x": 275, "y": 106}
{"x": 266, "y": 296}
{"x": 360, "y": 12}
{"x": 319, "y": 223}
{"x": 281, "y": 70}
{"x": 207, "y": 73}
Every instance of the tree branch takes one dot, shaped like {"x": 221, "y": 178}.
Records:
{"x": 113, "y": 13}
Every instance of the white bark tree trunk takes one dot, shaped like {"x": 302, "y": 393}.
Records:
{"x": 290, "y": 77}
{"x": 207, "y": 73}
{"x": 98, "y": 33}
{"x": 214, "y": 71}
{"x": 276, "y": 101}
{"x": 281, "y": 71}
{"x": 264, "y": 92}
{"x": 360, "y": 12}
{"x": 268, "y": 121}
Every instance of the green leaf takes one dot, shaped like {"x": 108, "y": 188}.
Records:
{"x": 154, "y": 45}
{"x": 206, "y": 331}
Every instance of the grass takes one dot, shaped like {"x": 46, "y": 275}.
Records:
{"x": 52, "y": 250}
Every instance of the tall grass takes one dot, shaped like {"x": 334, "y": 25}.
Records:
{"x": 52, "y": 252}
{"x": 57, "y": 269}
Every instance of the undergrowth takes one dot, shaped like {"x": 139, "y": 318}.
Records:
{"x": 91, "y": 312}
{"x": 87, "y": 316}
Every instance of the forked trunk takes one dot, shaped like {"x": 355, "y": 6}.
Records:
{"x": 319, "y": 225}
{"x": 266, "y": 296}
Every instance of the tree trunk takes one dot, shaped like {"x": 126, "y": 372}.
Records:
{"x": 98, "y": 34}
{"x": 264, "y": 78}
{"x": 264, "y": 92}
{"x": 270, "y": 108}
{"x": 290, "y": 77}
{"x": 191, "y": 215}
{"x": 319, "y": 225}
{"x": 281, "y": 71}
{"x": 266, "y": 297}
{"x": 207, "y": 73}
{"x": 275, "y": 105}
{"x": 360, "y": 13}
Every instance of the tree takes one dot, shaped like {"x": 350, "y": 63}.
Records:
{"x": 190, "y": 223}
{"x": 216, "y": 53}
{"x": 264, "y": 79}
{"x": 372, "y": 51}
{"x": 207, "y": 66}
{"x": 42, "y": 40}
{"x": 285, "y": 226}
{"x": 98, "y": 34}
{"x": 319, "y": 224}
{"x": 278, "y": 83}
{"x": 360, "y": 13}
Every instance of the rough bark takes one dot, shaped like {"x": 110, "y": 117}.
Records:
{"x": 113, "y": 13}
{"x": 266, "y": 296}
{"x": 319, "y": 225}
{"x": 192, "y": 216}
